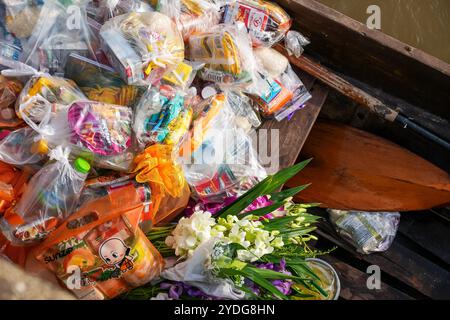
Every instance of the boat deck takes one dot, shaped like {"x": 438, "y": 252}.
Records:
{"x": 416, "y": 266}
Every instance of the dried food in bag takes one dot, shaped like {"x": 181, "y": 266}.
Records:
{"x": 227, "y": 54}
{"x": 50, "y": 197}
{"x": 142, "y": 47}
{"x": 266, "y": 22}
{"x": 102, "y": 241}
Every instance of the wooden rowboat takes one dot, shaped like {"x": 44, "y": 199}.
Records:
{"x": 356, "y": 70}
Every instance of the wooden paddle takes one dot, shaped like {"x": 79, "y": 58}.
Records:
{"x": 353, "y": 169}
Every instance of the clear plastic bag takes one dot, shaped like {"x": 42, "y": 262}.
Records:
{"x": 103, "y": 243}
{"x": 183, "y": 75}
{"x": 62, "y": 29}
{"x": 218, "y": 158}
{"x": 367, "y": 231}
{"x": 192, "y": 16}
{"x": 107, "y": 9}
{"x": 142, "y": 47}
{"x": 227, "y": 54}
{"x": 266, "y": 21}
{"x": 22, "y": 16}
{"x": 100, "y": 82}
{"x": 161, "y": 116}
{"x": 10, "y": 44}
{"x": 278, "y": 90}
{"x": 9, "y": 91}
{"x": 43, "y": 90}
{"x": 50, "y": 197}
{"x": 19, "y": 148}
{"x": 102, "y": 133}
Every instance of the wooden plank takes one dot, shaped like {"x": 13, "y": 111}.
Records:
{"x": 354, "y": 286}
{"x": 293, "y": 133}
{"x": 403, "y": 264}
{"x": 428, "y": 232}
{"x": 369, "y": 55}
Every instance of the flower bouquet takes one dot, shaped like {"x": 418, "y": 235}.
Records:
{"x": 255, "y": 247}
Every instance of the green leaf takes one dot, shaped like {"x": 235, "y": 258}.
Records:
{"x": 266, "y": 186}
{"x": 253, "y": 276}
{"x": 282, "y": 195}
{"x": 262, "y": 211}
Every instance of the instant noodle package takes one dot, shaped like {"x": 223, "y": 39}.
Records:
{"x": 114, "y": 115}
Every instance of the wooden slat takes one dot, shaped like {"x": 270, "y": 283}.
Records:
{"x": 354, "y": 286}
{"x": 293, "y": 133}
{"x": 403, "y": 264}
{"x": 428, "y": 232}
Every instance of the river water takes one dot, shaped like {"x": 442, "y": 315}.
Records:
{"x": 424, "y": 24}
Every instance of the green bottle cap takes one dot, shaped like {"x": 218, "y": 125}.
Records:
{"x": 82, "y": 165}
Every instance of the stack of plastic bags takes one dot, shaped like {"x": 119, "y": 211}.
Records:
{"x": 115, "y": 113}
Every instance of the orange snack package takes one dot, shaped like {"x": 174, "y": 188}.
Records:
{"x": 100, "y": 252}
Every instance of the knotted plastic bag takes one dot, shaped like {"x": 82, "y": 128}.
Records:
{"x": 142, "y": 46}
{"x": 191, "y": 16}
{"x": 218, "y": 157}
{"x": 162, "y": 116}
{"x": 266, "y": 22}
{"x": 227, "y": 54}
{"x": 50, "y": 197}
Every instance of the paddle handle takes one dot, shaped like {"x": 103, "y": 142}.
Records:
{"x": 358, "y": 95}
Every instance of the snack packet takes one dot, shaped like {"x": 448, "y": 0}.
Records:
{"x": 266, "y": 22}
{"x": 50, "y": 197}
{"x": 142, "y": 47}
{"x": 227, "y": 54}
{"x": 103, "y": 243}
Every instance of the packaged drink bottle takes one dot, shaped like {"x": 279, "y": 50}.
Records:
{"x": 50, "y": 197}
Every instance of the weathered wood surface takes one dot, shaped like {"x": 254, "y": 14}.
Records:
{"x": 353, "y": 169}
{"x": 369, "y": 55}
{"x": 354, "y": 284}
{"x": 294, "y": 132}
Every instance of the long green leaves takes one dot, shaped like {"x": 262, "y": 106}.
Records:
{"x": 268, "y": 186}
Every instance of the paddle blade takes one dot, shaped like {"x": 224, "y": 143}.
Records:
{"x": 353, "y": 169}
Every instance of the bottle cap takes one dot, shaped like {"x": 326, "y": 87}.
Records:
{"x": 40, "y": 147}
{"x": 82, "y": 165}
